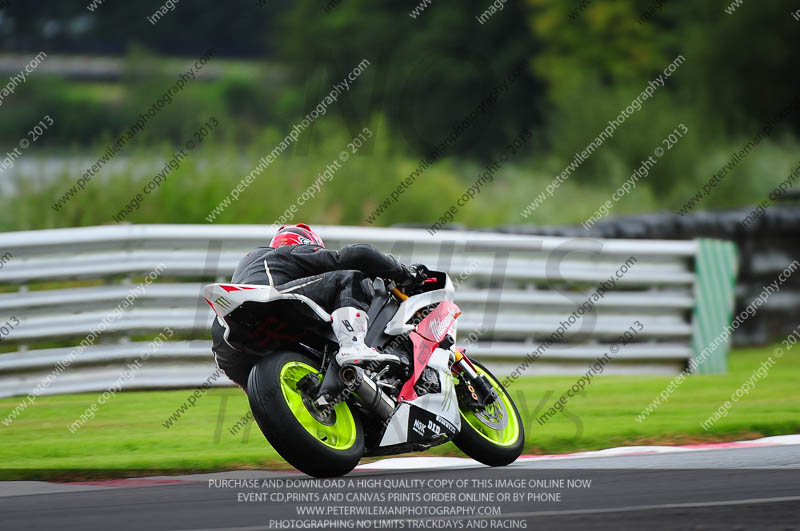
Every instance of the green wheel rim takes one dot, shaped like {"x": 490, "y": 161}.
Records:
{"x": 502, "y": 410}
{"x": 339, "y": 433}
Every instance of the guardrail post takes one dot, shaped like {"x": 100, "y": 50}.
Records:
{"x": 716, "y": 267}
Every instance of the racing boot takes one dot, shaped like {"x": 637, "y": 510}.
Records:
{"x": 350, "y": 327}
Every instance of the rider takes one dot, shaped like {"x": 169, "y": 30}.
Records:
{"x": 297, "y": 261}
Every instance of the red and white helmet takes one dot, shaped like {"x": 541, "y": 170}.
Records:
{"x": 300, "y": 234}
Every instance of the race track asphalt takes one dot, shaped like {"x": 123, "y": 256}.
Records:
{"x": 701, "y": 489}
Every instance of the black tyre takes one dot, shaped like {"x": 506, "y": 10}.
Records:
{"x": 495, "y": 434}
{"x": 321, "y": 443}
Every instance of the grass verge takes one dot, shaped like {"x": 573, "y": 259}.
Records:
{"x": 128, "y": 437}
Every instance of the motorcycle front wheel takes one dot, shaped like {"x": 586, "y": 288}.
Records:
{"x": 321, "y": 442}
{"x": 493, "y": 434}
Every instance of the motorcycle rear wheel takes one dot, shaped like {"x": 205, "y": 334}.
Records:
{"x": 495, "y": 434}
{"x": 319, "y": 442}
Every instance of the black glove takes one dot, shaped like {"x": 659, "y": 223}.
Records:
{"x": 413, "y": 275}
{"x": 408, "y": 276}
{"x": 420, "y": 272}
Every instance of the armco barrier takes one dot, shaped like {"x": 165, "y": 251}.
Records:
{"x": 513, "y": 290}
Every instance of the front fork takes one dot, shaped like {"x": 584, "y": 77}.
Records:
{"x": 473, "y": 390}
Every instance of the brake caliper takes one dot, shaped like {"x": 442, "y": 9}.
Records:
{"x": 475, "y": 394}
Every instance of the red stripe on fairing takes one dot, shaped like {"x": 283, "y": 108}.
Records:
{"x": 438, "y": 322}
{"x": 229, "y": 288}
{"x": 425, "y": 338}
{"x": 423, "y": 350}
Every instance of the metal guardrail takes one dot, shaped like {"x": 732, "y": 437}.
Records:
{"x": 767, "y": 244}
{"x": 513, "y": 290}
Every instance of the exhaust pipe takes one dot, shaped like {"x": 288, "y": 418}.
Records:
{"x": 367, "y": 392}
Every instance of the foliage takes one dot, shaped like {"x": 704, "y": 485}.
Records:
{"x": 211, "y": 171}
{"x": 426, "y": 74}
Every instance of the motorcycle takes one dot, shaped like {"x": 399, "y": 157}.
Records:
{"x": 323, "y": 418}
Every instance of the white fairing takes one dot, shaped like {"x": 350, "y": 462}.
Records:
{"x": 224, "y": 300}
{"x": 398, "y": 325}
{"x": 443, "y": 405}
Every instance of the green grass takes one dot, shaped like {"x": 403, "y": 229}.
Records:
{"x": 127, "y": 435}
